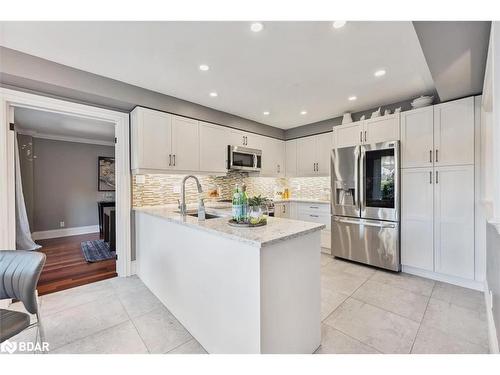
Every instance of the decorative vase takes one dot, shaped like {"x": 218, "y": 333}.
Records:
{"x": 255, "y": 215}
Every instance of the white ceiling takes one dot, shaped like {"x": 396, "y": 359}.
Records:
{"x": 286, "y": 68}
{"x": 61, "y": 126}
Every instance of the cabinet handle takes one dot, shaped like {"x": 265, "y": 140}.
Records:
{"x": 284, "y": 208}
{"x": 430, "y": 156}
{"x": 430, "y": 177}
{"x": 437, "y": 159}
{"x": 437, "y": 177}
{"x": 169, "y": 160}
{"x": 313, "y": 215}
{"x": 361, "y": 137}
{"x": 313, "y": 207}
{"x": 278, "y": 168}
{"x": 365, "y": 135}
{"x": 174, "y": 160}
{"x": 317, "y": 167}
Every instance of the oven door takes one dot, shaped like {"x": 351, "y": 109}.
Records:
{"x": 244, "y": 159}
{"x": 379, "y": 181}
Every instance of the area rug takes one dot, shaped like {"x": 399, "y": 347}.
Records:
{"x": 96, "y": 251}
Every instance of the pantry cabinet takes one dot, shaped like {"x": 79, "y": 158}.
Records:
{"x": 313, "y": 155}
{"x": 379, "y": 129}
{"x": 437, "y": 190}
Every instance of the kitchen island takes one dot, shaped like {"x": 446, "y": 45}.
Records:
{"x": 236, "y": 290}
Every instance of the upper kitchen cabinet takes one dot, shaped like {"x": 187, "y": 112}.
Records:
{"x": 185, "y": 144}
{"x": 245, "y": 139}
{"x": 151, "y": 140}
{"x": 417, "y": 129}
{"x": 273, "y": 156}
{"x": 163, "y": 142}
{"x": 379, "y": 129}
{"x": 213, "y": 148}
{"x": 291, "y": 158}
{"x": 454, "y": 132}
{"x": 348, "y": 134}
{"x": 439, "y": 135}
{"x": 313, "y": 155}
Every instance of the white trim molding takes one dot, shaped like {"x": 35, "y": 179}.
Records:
{"x": 471, "y": 284}
{"x": 64, "y": 232}
{"x": 492, "y": 331}
{"x": 10, "y": 99}
{"x": 63, "y": 138}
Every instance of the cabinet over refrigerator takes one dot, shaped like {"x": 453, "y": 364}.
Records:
{"x": 365, "y": 204}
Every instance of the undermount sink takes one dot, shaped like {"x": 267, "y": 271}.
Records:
{"x": 207, "y": 216}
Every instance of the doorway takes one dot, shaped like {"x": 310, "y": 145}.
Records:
{"x": 10, "y": 100}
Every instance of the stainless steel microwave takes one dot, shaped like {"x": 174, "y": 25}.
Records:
{"x": 244, "y": 159}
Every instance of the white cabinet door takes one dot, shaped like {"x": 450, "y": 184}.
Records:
{"x": 291, "y": 158}
{"x": 348, "y": 135}
{"x": 417, "y": 128}
{"x": 213, "y": 148}
{"x": 273, "y": 157}
{"x": 281, "y": 210}
{"x": 417, "y": 245}
{"x": 237, "y": 138}
{"x": 306, "y": 156}
{"x": 324, "y": 145}
{"x": 454, "y": 132}
{"x": 454, "y": 221}
{"x": 185, "y": 144}
{"x": 152, "y": 135}
{"x": 382, "y": 129}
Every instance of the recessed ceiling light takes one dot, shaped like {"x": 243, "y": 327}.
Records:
{"x": 338, "y": 24}
{"x": 352, "y": 98}
{"x": 213, "y": 94}
{"x": 256, "y": 27}
{"x": 303, "y": 112}
{"x": 379, "y": 73}
{"x": 266, "y": 113}
{"x": 204, "y": 67}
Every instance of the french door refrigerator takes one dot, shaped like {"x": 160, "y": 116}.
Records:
{"x": 365, "y": 204}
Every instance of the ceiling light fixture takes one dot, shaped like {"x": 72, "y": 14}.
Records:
{"x": 379, "y": 73}
{"x": 204, "y": 67}
{"x": 303, "y": 113}
{"x": 266, "y": 113}
{"x": 256, "y": 27}
{"x": 338, "y": 24}
{"x": 352, "y": 98}
{"x": 213, "y": 94}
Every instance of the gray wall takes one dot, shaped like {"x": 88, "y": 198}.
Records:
{"x": 22, "y": 71}
{"x": 493, "y": 270}
{"x": 65, "y": 183}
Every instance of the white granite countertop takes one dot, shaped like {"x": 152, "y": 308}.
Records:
{"x": 277, "y": 229}
{"x": 302, "y": 200}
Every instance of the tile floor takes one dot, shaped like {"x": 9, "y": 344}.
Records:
{"x": 363, "y": 310}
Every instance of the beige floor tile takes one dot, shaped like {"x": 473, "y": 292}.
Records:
{"x": 405, "y": 281}
{"x": 399, "y": 301}
{"x": 190, "y": 347}
{"x": 120, "y": 339}
{"x": 460, "y": 322}
{"x": 161, "y": 331}
{"x": 336, "y": 342}
{"x": 330, "y": 300}
{"x": 335, "y": 279}
{"x": 55, "y": 302}
{"x": 71, "y": 324}
{"x": 380, "y": 329}
{"x": 127, "y": 284}
{"x": 357, "y": 269}
{"x": 325, "y": 259}
{"x": 463, "y": 297}
{"x": 433, "y": 341}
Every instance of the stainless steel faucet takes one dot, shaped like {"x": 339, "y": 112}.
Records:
{"x": 182, "y": 204}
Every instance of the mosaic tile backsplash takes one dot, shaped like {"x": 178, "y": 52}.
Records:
{"x": 160, "y": 189}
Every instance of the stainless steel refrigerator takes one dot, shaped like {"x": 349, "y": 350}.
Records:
{"x": 365, "y": 204}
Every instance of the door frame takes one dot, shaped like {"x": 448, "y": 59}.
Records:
{"x": 10, "y": 99}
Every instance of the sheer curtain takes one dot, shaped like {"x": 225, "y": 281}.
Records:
{"x": 23, "y": 233}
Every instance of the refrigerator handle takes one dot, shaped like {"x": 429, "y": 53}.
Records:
{"x": 361, "y": 183}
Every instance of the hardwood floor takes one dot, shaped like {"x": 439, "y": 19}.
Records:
{"x": 66, "y": 267}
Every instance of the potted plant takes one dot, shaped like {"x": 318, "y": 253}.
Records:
{"x": 255, "y": 211}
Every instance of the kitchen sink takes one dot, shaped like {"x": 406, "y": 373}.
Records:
{"x": 207, "y": 216}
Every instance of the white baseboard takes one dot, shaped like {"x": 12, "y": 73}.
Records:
{"x": 64, "y": 232}
{"x": 471, "y": 284}
{"x": 492, "y": 331}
